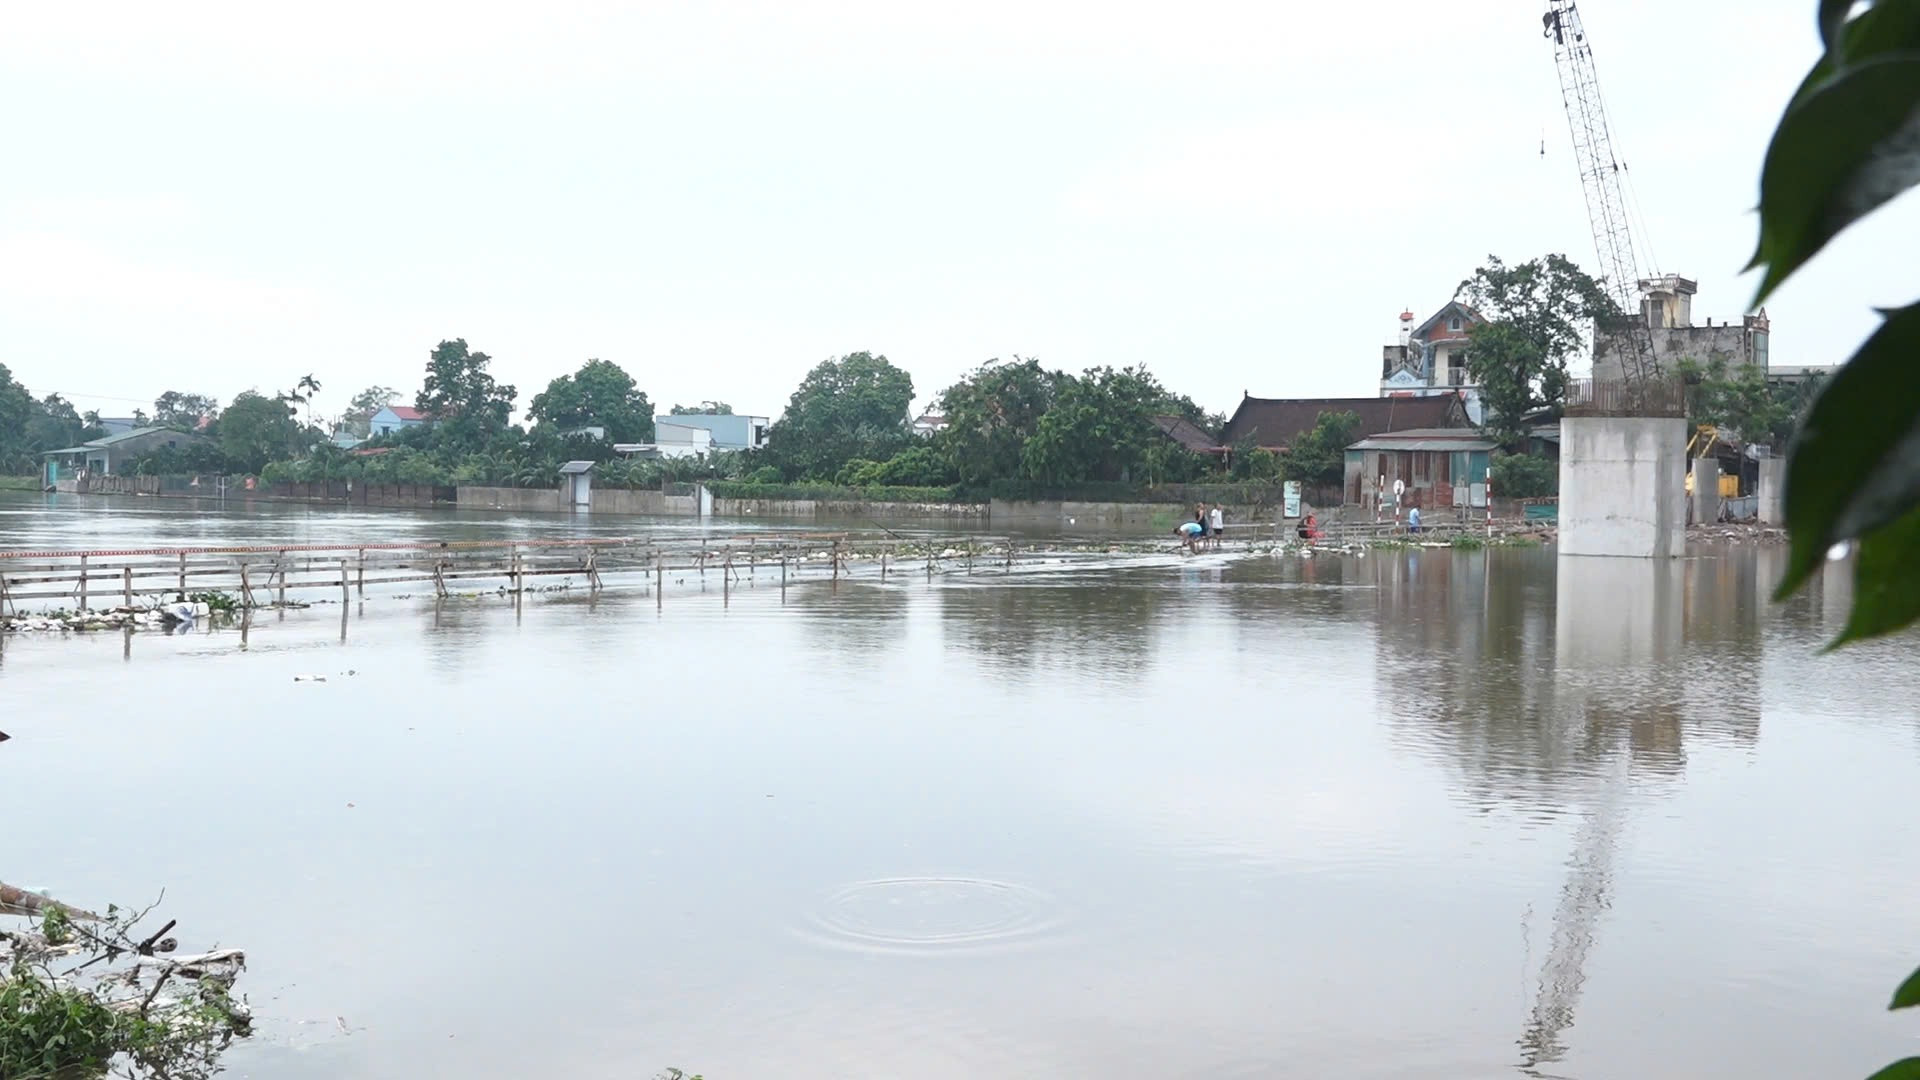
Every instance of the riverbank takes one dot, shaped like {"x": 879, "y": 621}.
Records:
{"x": 19, "y": 483}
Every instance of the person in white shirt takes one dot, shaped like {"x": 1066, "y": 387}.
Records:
{"x": 1218, "y": 521}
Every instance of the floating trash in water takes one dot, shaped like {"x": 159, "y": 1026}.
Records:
{"x": 936, "y": 914}
{"x": 1840, "y": 551}
{"x": 309, "y": 678}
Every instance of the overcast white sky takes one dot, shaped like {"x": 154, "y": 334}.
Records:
{"x": 216, "y": 196}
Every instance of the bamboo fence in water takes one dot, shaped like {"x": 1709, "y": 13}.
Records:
{"x": 259, "y": 575}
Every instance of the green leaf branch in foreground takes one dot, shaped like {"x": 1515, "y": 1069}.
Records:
{"x": 1844, "y": 148}
{"x": 1908, "y": 995}
{"x": 1886, "y": 590}
{"x": 1855, "y": 466}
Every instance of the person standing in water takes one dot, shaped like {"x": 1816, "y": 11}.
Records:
{"x": 1218, "y": 522}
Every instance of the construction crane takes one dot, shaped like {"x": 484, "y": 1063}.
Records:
{"x": 1601, "y": 176}
{"x": 1583, "y": 899}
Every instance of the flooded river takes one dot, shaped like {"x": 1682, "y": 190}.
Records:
{"x": 1431, "y": 814}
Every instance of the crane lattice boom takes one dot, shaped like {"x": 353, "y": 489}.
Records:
{"x": 1600, "y": 174}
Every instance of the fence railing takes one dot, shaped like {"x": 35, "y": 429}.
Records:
{"x": 1659, "y": 396}
{"x": 257, "y": 576}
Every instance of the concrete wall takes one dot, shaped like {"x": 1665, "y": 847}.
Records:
{"x": 804, "y": 508}
{"x": 628, "y": 501}
{"x": 1773, "y": 491}
{"x": 552, "y": 500}
{"x": 1734, "y": 344}
{"x": 1623, "y": 486}
{"x": 473, "y": 497}
{"x": 1123, "y": 515}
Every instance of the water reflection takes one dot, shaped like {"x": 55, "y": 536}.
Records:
{"x": 1559, "y": 704}
{"x": 1102, "y": 624}
{"x": 1255, "y": 804}
{"x": 1527, "y": 675}
{"x": 861, "y": 617}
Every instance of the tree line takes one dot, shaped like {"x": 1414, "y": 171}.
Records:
{"x": 1012, "y": 424}
{"x": 847, "y": 424}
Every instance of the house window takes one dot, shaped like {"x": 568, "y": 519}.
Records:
{"x": 1454, "y": 323}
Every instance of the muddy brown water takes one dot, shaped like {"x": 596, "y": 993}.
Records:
{"x": 1427, "y": 814}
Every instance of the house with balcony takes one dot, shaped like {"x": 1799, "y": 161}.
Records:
{"x": 1430, "y": 359}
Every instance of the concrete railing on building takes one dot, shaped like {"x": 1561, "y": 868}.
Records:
{"x": 1663, "y": 396}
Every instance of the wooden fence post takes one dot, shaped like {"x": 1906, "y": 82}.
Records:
{"x": 280, "y": 571}
{"x": 246, "y": 587}
{"x": 183, "y": 575}
{"x": 343, "y": 587}
{"x": 126, "y": 583}
{"x": 360, "y": 572}
{"x": 83, "y": 583}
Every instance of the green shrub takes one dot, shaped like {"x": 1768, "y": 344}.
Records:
{"x": 217, "y": 602}
{"x": 765, "y": 474}
{"x": 1524, "y": 476}
{"x": 857, "y": 473}
{"x": 918, "y": 466}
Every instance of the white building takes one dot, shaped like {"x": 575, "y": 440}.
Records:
{"x": 671, "y": 440}
{"x": 1430, "y": 359}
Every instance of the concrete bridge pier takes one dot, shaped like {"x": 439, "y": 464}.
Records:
{"x": 1773, "y": 491}
{"x": 1623, "y": 486}
{"x": 1706, "y": 490}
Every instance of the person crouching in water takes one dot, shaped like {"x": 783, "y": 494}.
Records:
{"x": 1189, "y": 533}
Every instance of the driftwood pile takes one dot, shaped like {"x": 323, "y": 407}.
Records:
{"x": 127, "y": 970}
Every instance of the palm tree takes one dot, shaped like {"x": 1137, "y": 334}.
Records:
{"x": 311, "y": 386}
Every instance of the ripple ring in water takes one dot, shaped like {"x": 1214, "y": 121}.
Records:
{"x": 936, "y": 914}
